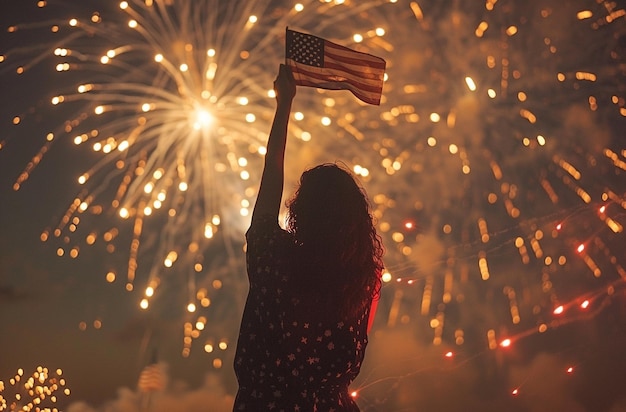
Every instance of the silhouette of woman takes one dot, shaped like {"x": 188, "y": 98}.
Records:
{"x": 312, "y": 287}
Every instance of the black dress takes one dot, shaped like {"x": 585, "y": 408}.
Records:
{"x": 292, "y": 354}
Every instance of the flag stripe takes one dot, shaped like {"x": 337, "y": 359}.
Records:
{"x": 331, "y": 63}
{"x": 371, "y": 98}
{"x": 335, "y": 85}
{"x": 337, "y": 74}
{"x": 323, "y": 74}
{"x": 356, "y": 68}
{"x": 324, "y": 80}
{"x": 365, "y": 59}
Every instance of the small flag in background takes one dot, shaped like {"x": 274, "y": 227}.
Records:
{"x": 320, "y": 63}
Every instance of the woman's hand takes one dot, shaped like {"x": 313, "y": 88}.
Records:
{"x": 284, "y": 85}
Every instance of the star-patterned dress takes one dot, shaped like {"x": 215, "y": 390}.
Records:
{"x": 293, "y": 354}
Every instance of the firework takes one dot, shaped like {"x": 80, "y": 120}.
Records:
{"x": 514, "y": 139}
{"x": 503, "y": 209}
{"x": 175, "y": 101}
{"x": 37, "y": 392}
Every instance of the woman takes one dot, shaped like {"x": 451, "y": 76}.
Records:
{"x": 304, "y": 327}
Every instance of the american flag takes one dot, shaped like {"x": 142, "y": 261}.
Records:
{"x": 317, "y": 62}
{"x": 152, "y": 378}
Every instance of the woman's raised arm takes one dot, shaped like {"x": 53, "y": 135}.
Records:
{"x": 272, "y": 180}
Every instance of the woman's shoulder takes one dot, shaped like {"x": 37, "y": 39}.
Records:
{"x": 264, "y": 224}
{"x": 265, "y": 234}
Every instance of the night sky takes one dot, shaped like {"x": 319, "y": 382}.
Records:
{"x": 495, "y": 164}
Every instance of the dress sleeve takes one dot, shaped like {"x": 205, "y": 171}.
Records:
{"x": 265, "y": 242}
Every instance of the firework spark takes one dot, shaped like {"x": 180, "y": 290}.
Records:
{"x": 37, "y": 392}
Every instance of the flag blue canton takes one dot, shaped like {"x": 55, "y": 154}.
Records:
{"x": 305, "y": 49}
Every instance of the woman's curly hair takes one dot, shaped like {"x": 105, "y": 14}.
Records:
{"x": 340, "y": 253}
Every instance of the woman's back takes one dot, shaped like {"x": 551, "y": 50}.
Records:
{"x": 295, "y": 349}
